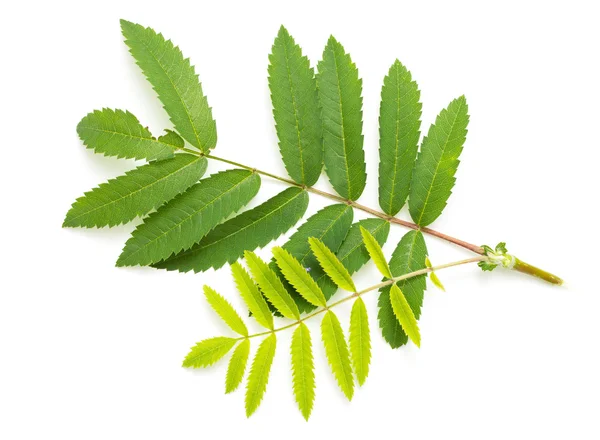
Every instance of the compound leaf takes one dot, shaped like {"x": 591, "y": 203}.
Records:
{"x": 332, "y": 266}
{"x": 399, "y": 125}
{"x": 336, "y": 350}
{"x": 340, "y": 97}
{"x": 303, "y": 370}
{"x": 226, "y": 311}
{"x": 237, "y": 366}
{"x": 437, "y": 162}
{"x": 296, "y": 110}
{"x": 209, "y": 351}
{"x": 271, "y": 286}
{"x": 375, "y": 252}
{"x": 249, "y": 230}
{"x": 408, "y": 256}
{"x": 251, "y": 295}
{"x": 176, "y": 83}
{"x": 259, "y": 373}
{"x": 183, "y": 221}
{"x": 135, "y": 193}
{"x": 360, "y": 340}
{"x": 298, "y": 277}
{"x": 405, "y": 315}
{"x": 118, "y": 133}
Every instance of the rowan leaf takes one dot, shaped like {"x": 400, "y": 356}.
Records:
{"x": 409, "y": 256}
{"x": 118, "y": 133}
{"x": 360, "y": 340}
{"x": 337, "y": 353}
{"x": 340, "y": 98}
{"x": 437, "y": 162}
{"x": 298, "y": 277}
{"x": 183, "y": 221}
{"x": 352, "y": 253}
{"x": 208, "y": 352}
{"x": 332, "y": 266}
{"x": 237, "y": 366}
{"x": 259, "y": 373}
{"x": 330, "y": 224}
{"x": 303, "y": 370}
{"x": 375, "y": 252}
{"x": 433, "y": 276}
{"x": 405, "y": 315}
{"x": 135, "y": 193}
{"x": 249, "y": 230}
{"x": 296, "y": 109}
{"x": 252, "y": 297}
{"x": 399, "y": 125}
{"x": 176, "y": 83}
{"x": 271, "y": 286}
{"x": 226, "y": 311}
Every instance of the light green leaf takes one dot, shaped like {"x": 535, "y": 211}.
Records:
{"x": 408, "y": 256}
{"x": 259, "y": 373}
{"x": 271, "y": 286}
{"x": 433, "y": 176}
{"x": 296, "y": 110}
{"x": 399, "y": 124}
{"x": 360, "y": 340}
{"x": 226, "y": 311}
{"x": 405, "y": 315}
{"x": 433, "y": 277}
{"x": 237, "y": 366}
{"x": 375, "y": 252}
{"x": 118, "y": 133}
{"x": 135, "y": 193}
{"x": 209, "y": 351}
{"x": 303, "y": 370}
{"x": 249, "y": 230}
{"x": 352, "y": 253}
{"x": 252, "y": 297}
{"x": 298, "y": 277}
{"x": 340, "y": 97}
{"x": 330, "y": 225}
{"x": 336, "y": 350}
{"x": 332, "y": 265}
{"x": 176, "y": 83}
{"x": 183, "y": 221}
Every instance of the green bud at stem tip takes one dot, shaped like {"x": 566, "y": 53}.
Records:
{"x": 521, "y": 266}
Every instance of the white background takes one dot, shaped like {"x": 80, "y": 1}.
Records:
{"x": 89, "y": 351}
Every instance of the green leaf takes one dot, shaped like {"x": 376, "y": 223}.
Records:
{"x": 298, "y": 277}
{"x": 399, "y": 125}
{"x": 336, "y": 350}
{"x": 183, "y": 221}
{"x": 330, "y": 224}
{"x": 352, "y": 253}
{"x": 332, "y": 265}
{"x": 249, "y": 230}
{"x": 408, "y": 257}
{"x": 252, "y": 297}
{"x": 375, "y": 252}
{"x": 209, "y": 351}
{"x": 118, "y": 133}
{"x": 226, "y": 311}
{"x": 271, "y": 286}
{"x": 296, "y": 109}
{"x": 237, "y": 366}
{"x": 176, "y": 83}
{"x": 360, "y": 340}
{"x": 259, "y": 373}
{"x": 135, "y": 193}
{"x": 405, "y": 315}
{"x": 340, "y": 97}
{"x": 433, "y": 176}
{"x": 433, "y": 277}
{"x": 303, "y": 370}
